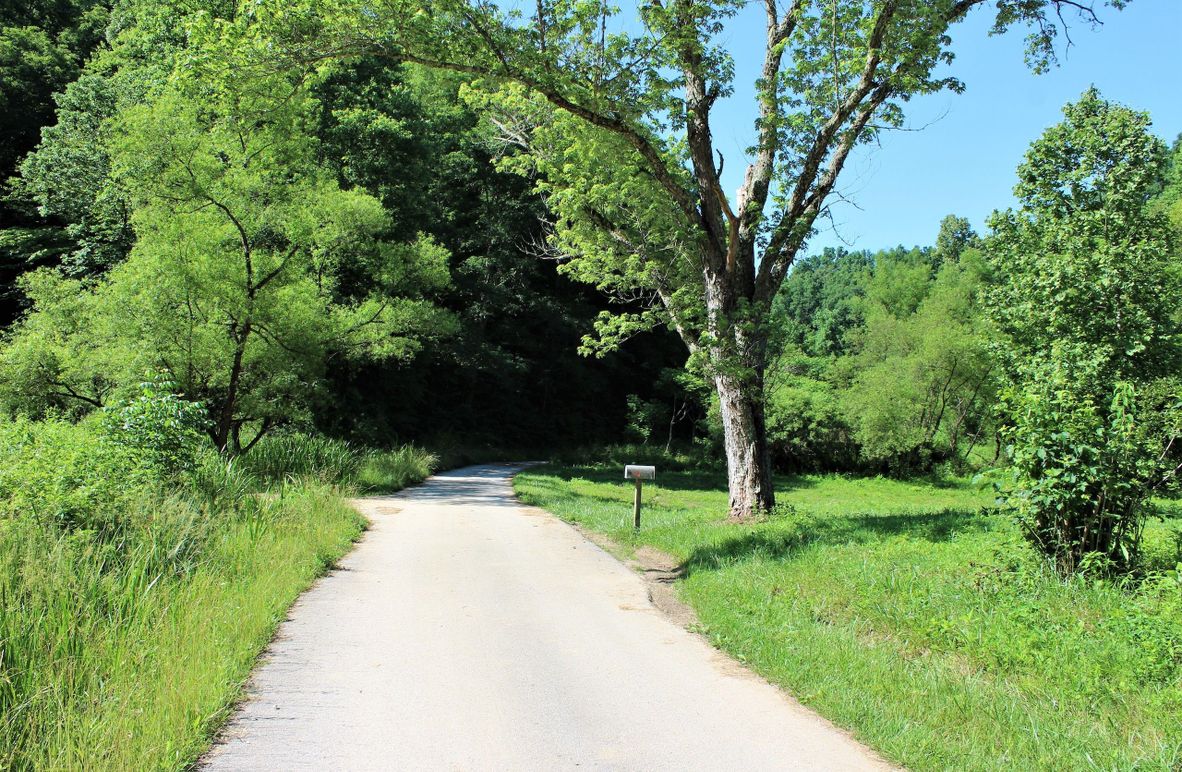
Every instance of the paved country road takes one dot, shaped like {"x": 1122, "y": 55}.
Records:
{"x": 468, "y": 632}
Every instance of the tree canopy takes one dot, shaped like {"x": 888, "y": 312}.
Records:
{"x": 401, "y": 222}
{"x": 617, "y": 127}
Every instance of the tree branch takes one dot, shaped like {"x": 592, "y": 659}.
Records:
{"x": 757, "y": 181}
{"x": 611, "y": 122}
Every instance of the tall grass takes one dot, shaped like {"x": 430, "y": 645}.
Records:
{"x": 132, "y": 608}
{"x": 392, "y": 470}
{"x": 126, "y": 656}
{"x": 295, "y": 456}
{"x": 289, "y": 457}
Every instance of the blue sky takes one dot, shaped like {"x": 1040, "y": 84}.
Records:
{"x": 963, "y": 159}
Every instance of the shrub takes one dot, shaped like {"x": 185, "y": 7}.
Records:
{"x": 159, "y": 429}
{"x": 1089, "y": 333}
{"x": 617, "y": 456}
{"x": 806, "y": 428}
{"x": 1082, "y": 471}
{"x": 67, "y": 475}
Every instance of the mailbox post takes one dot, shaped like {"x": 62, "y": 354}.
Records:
{"x": 638, "y": 474}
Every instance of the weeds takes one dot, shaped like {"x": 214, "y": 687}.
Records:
{"x": 132, "y": 606}
{"x": 302, "y": 457}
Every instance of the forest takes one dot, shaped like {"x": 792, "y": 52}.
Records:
{"x": 259, "y": 257}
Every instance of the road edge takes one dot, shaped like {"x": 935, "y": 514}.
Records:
{"x": 660, "y": 573}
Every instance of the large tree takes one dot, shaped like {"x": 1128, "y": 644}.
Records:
{"x": 616, "y": 114}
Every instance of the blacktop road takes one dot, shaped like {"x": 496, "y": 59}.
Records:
{"x": 467, "y": 632}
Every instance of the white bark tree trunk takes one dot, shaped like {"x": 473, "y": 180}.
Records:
{"x": 749, "y": 477}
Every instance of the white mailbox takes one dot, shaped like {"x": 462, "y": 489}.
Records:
{"x": 638, "y": 474}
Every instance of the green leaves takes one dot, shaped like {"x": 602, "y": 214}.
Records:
{"x": 1086, "y": 306}
{"x": 1088, "y": 260}
{"x": 42, "y": 45}
{"x": 159, "y": 429}
{"x": 252, "y": 267}
{"x": 1082, "y": 466}
{"x": 1100, "y": 158}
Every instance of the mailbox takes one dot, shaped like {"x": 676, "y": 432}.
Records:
{"x": 638, "y": 474}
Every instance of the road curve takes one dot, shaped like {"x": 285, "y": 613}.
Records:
{"x": 468, "y": 632}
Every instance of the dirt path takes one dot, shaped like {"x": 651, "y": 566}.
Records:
{"x": 468, "y": 632}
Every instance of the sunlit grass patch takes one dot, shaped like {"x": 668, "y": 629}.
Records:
{"x": 912, "y": 614}
{"x": 129, "y": 661}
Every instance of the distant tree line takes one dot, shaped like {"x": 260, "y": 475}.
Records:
{"x": 882, "y": 362}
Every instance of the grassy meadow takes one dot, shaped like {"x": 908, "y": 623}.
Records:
{"x": 912, "y": 614}
{"x": 132, "y": 607}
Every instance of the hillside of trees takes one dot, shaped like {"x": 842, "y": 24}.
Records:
{"x": 446, "y": 327}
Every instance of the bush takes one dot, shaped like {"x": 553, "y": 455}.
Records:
{"x": 1082, "y": 471}
{"x": 294, "y": 456}
{"x": 806, "y": 429}
{"x": 160, "y": 429}
{"x": 58, "y": 473}
{"x": 1087, "y": 315}
{"x": 140, "y": 575}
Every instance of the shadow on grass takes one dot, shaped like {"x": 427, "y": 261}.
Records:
{"x": 780, "y": 540}
{"x": 678, "y": 481}
{"x": 775, "y": 539}
{"x": 693, "y": 480}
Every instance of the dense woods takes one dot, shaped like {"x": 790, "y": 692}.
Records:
{"x": 253, "y": 255}
{"x": 384, "y": 252}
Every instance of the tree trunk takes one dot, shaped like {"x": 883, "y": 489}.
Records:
{"x": 736, "y": 357}
{"x": 748, "y": 463}
{"x": 223, "y": 428}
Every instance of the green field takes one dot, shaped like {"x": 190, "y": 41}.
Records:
{"x": 913, "y": 615}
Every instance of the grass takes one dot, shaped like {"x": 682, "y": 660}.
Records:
{"x": 915, "y": 617}
{"x": 132, "y": 609}
{"x": 302, "y": 457}
{"x": 130, "y": 667}
{"x": 386, "y": 471}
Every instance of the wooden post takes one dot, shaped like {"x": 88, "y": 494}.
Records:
{"x": 636, "y": 505}
{"x": 638, "y": 474}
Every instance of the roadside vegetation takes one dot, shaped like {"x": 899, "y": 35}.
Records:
{"x": 139, "y": 581}
{"x": 915, "y": 614}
